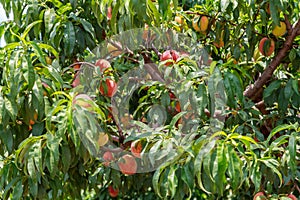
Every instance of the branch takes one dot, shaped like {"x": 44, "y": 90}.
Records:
{"x": 152, "y": 69}
{"x": 289, "y": 27}
{"x": 252, "y": 91}
{"x": 262, "y": 107}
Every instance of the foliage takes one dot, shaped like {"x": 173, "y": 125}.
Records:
{"x": 52, "y": 147}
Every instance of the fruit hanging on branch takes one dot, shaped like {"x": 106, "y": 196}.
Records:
{"x": 136, "y": 148}
{"x": 266, "y": 46}
{"x": 107, "y": 157}
{"x": 171, "y": 55}
{"x": 108, "y": 88}
{"x": 280, "y": 30}
{"x": 113, "y": 192}
{"x": 127, "y": 165}
{"x": 200, "y": 24}
{"x": 103, "y": 65}
{"x": 260, "y": 196}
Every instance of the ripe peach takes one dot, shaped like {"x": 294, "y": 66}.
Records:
{"x": 204, "y": 23}
{"x": 293, "y": 197}
{"x": 136, "y": 148}
{"x": 76, "y": 80}
{"x": 266, "y": 46}
{"x": 259, "y": 196}
{"x": 113, "y": 192}
{"x": 81, "y": 100}
{"x": 107, "y": 157}
{"x": 109, "y": 89}
{"x": 169, "y": 55}
{"x": 178, "y": 20}
{"x": 103, "y": 64}
{"x": 127, "y": 165}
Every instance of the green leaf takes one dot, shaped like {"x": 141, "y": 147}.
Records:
{"x": 292, "y": 54}
{"x": 17, "y": 191}
{"x": 237, "y": 52}
{"x": 49, "y": 19}
{"x": 187, "y": 172}
{"x": 278, "y": 129}
{"x": 222, "y": 165}
{"x": 66, "y": 157}
{"x": 229, "y": 91}
{"x": 49, "y": 48}
{"x": 288, "y": 90}
{"x": 33, "y": 187}
{"x": 69, "y": 38}
{"x": 12, "y": 45}
{"x": 38, "y": 52}
{"x": 113, "y": 20}
{"x": 9, "y": 186}
{"x": 31, "y": 168}
{"x": 29, "y": 27}
{"x": 199, "y": 161}
{"x": 6, "y": 137}
{"x": 295, "y": 86}
{"x": 256, "y": 175}
{"x": 273, "y": 165}
{"x": 292, "y": 151}
{"x": 87, "y": 26}
{"x": 53, "y": 143}
{"x": 274, "y": 12}
{"x": 202, "y": 98}
{"x": 152, "y": 8}
{"x": 175, "y": 119}
{"x": 30, "y": 72}
{"x": 173, "y": 180}
{"x": 155, "y": 181}
{"x": 234, "y": 167}
{"x": 245, "y": 139}
{"x": 278, "y": 142}
{"x": 274, "y": 85}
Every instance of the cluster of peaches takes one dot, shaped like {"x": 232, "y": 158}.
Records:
{"x": 201, "y": 23}
{"x": 127, "y": 164}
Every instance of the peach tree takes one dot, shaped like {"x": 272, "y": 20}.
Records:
{"x": 150, "y": 99}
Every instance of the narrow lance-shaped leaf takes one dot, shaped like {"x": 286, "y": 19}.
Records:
{"x": 199, "y": 161}
{"x": 29, "y": 27}
{"x": 49, "y": 19}
{"x": 234, "y": 167}
{"x": 273, "y": 165}
{"x": 30, "y": 72}
{"x": 38, "y": 52}
{"x": 292, "y": 151}
{"x": 221, "y": 164}
{"x": 278, "y": 129}
{"x": 172, "y": 180}
{"x": 69, "y": 38}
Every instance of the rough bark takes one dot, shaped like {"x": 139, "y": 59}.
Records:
{"x": 253, "y": 91}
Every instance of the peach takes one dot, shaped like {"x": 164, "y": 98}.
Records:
{"x": 109, "y": 89}
{"x": 127, "y": 165}
{"x": 266, "y": 49}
